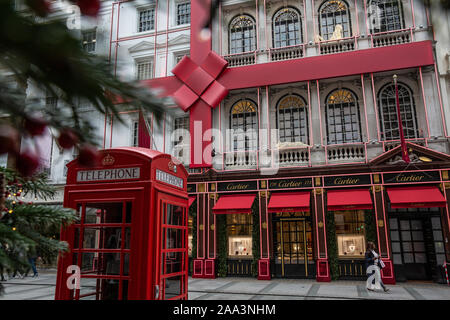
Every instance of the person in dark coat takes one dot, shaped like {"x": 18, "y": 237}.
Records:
{"x": 373, "y": 261}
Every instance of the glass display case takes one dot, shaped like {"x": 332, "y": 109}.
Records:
{"x": 351, "y": 245}
{"x": 239, "y": 246}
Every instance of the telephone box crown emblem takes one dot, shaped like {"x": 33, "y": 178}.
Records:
{"x": 108, "y": 160}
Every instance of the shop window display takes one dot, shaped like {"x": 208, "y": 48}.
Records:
{"x": 350, "y": 233}
{"x": 239, "y": 230}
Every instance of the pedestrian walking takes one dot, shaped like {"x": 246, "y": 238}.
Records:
{"x": 373, "y": 269}
{"x": 32, "y": 257}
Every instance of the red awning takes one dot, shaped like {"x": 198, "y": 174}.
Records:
{"x": 234, "y": 203}
{"x": 289, "y": 202}
{"x": 349, "y": 199}
{"x": 416, "y": 197}
{"x": 191, "y": 200}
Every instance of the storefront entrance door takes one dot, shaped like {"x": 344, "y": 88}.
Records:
{"x": 416, "y": 241}
{"x": 291, "y": 248}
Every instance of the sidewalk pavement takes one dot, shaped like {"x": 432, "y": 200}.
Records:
{"x": 43, "y": 288}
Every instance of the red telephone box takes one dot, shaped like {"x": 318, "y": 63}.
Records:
{"x": 131, "y": 239}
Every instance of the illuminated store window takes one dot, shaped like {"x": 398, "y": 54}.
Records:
{"x": 388, "y": 112}
{"x": 292, "y": 119}
{"x": 350, "y": 233}
{"x": 244, "y": 122}
{"x": 239, "y": 230}
{"x": 287, "y": 30}
{"x": 385, "y": 15}
{"x": 334, "y": 18}
{"x": 342, "y": 117}
{"x": 242, "y": 34}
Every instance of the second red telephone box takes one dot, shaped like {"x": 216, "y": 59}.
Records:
{"x": 130, "y": 241}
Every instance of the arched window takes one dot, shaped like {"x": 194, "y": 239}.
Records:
{"x": 388, "y": 112}
{"x": 331, "y": 14}
{"x": 385, "y": 15}
{"x": 244, "y": 122}
{"x": 287, "y": 28}
{"x": 292, "y": 119}
{"x": 342, "y": 117}
{"x": 242, "y": 34}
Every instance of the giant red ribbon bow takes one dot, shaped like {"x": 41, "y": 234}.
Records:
{"x": 200, "y": 82}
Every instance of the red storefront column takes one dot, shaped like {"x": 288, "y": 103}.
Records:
{"x": 210, "y": 230}
{"x": 318, "y": 212}
{"x": 380, "y": 210}
{"x": 199, "y": 262}
{"x": 264, "y": 260}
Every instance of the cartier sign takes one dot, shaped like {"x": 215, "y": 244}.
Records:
{"x": 237, "y": 186}
{"x": 347, "y": 180}
{"x": 108, "y": 174}
{"x": 406, "y": 177}
{"x": 290, "y": 183}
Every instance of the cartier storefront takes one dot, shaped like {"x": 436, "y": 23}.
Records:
{"x": 313, "y": 223}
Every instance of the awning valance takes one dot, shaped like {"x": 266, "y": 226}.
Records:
{"x": 416, "y": 197}
{"x": 191, "y": 200}
{"x": 234, "y": 203}
{"x": 349, "y": 199}
{"x": 289, "y": 202}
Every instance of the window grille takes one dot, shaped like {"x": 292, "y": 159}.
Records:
{"x": 242, "y": 34}
{"x": 292, "y": 119}
{"x": 385, "y": 15}
{"x": 244, "y": 122}
{"x": 144, "y": 70}
{"x": 331, "y": 14}
{"x": 89, "y": 40}
{"x": 287, "y": 28}
{"x": 146, "y": 19}
{"x": 388, "y": 112}
{"x": 342, "y": 117}
{"x": 183, "y": 13}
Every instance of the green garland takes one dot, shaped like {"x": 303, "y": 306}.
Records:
{"x": 332, "y": 245}
{"x": 221, "y": 225}
{"x": 370, "y": 226}
{"x": 255, "y": 237}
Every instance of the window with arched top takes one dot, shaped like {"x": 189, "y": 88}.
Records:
{"x": 342, "y": 117}
{"x": 242, "y": 34}
{"x": 387, "y": 106}
{"x": 334, "y": 17}
{"x": 287, "y": 28}
{"x": 385, "y": 15}
{"x": 292, "y": 119}
{"x": 244, "y": 123}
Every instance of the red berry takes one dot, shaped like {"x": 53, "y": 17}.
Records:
{"x": 89, "y": 7}
{"x": 41, "y": 7}
{"x": 27, "y": 163}
{"x": 67, "y": 139}
{"x": 35, "y": 126}
{"x": 88, "y": 156}
{"x": 9, "y": 138}
{"x": 18, "y": 194}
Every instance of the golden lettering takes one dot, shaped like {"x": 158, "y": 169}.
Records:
{"x": 412, "y": 178}
{"x": 237, "y": 186}
{"x": 346, "y": 181}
